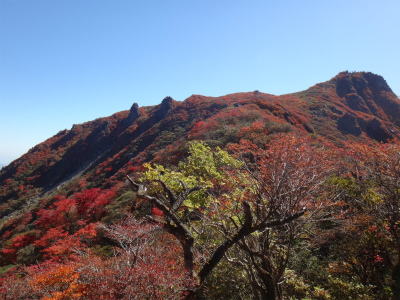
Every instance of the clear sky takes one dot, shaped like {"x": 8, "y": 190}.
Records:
{"x": 65, "y": 62}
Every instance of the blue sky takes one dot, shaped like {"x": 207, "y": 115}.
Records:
{"x": 65, "y": 62}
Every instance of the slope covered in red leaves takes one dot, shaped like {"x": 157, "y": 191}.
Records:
{"x": 52, "y": 196}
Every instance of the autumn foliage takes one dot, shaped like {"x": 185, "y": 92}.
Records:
{"x": 243, "y": 196}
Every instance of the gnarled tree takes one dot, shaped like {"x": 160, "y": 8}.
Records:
{"x": 213, "y": 201}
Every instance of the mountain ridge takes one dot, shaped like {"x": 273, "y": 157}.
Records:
{"x": 350, "y": 106}
{"x": 303, "y": 182}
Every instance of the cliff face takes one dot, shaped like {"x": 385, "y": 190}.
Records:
{"x": 351, "y": 106}
{"x": 361, "y": 104}
{"x": 369, "y": 93}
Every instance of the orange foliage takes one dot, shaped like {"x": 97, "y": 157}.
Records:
{"x": 61, "y": 283}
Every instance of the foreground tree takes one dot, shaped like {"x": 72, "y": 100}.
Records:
{"x": 286, "y": 178}
{"x": 213, "y": 202}
{"x": 373, "y": 198}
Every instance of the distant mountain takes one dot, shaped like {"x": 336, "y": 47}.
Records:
{"x": 351, "y": 106}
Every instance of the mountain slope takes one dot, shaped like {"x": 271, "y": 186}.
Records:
{"x": 359, "y": 103}
{"x": 351, "y": 106}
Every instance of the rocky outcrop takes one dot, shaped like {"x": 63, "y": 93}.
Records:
{"x": 344, "y": 85}
{"x": 347, "y": 124}
{"x": 166, "y": 105}
{"x": 377, "y": 131}
{"x": 134, "y": 114}
{"x": 384, "y": 97}
{"x": 356, "y": 102}
{"x": 369, "y": 93}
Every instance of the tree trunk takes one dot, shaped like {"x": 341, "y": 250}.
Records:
{"x": 270, "y": 288}
{"x": 396, "y": 276}
{"x": 269, "y": 284}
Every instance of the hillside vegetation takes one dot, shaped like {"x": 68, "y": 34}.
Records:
{"x": 243, "y": 196}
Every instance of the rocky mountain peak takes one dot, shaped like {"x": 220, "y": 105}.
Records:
{"x": 134, "y": 113}
{"x": 166, "y": 105}
{"x": 368, "y": 93}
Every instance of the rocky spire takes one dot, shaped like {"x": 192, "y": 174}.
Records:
{"x": 165, "y": 106}
{"x": 134, "y": 113}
